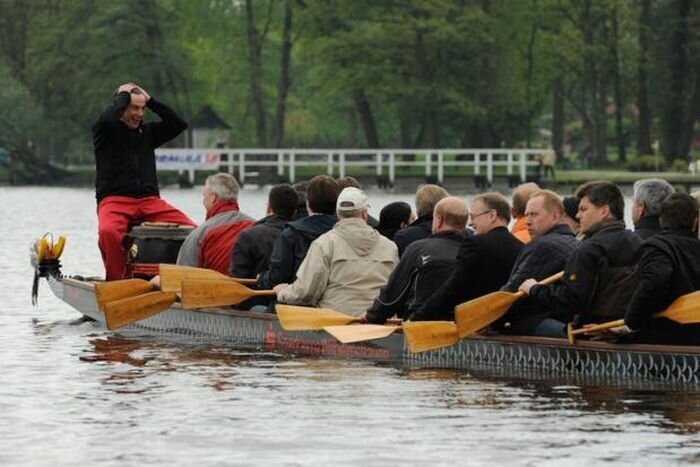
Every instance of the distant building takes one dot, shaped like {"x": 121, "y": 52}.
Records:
{"x": 209, "y": 130}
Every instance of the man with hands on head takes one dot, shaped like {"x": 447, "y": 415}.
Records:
{"x": 126, "y": 182}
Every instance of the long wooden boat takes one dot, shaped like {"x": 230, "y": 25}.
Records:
{"x": 544, "y": 356}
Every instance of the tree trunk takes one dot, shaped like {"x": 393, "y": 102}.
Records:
{"x": 644, "y": 125}
{"x": 617, "y": 84}
{"x": 424, "y": 76}
{"x": 590, "y": 83}
{"x": 673, "y": 116}
{"x": 365, "y": 112}
{"x": 284, "y": 79}
{"x": 14, "y": 22}
{"x": 693, "y": 114}
{"x": 558, "y": 117}
{"x": 601, "y": 94}
{"x": 256, "y": 75}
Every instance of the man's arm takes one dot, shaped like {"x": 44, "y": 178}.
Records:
{"x": 189, "y": 250}
{"x": 393, "y": 296}
{"x": 311, "y": 281}
{"x": 281, "y": 261}
{"x": 651, "y": 294}
{"x": 170, "y": 125}
{"x": 442, "y": 302}
{"x": 242, "y": 261}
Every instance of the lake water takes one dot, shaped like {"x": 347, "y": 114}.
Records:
{"x": 75, "y": 394}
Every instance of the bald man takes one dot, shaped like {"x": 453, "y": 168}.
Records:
{"x": 521, "y": 195}
{"x": 425, "y": 264}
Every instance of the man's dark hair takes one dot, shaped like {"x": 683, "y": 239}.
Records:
{"x": 678, "y": 211}
{"x": 322, "y": 194}
{"x": 344, "y": 182}
{"x": 602, "y": 193}
{"x": 283, "y": 200}
{"x": 497, "y": 202}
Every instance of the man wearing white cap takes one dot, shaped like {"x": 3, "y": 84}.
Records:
{"x": 345, "y": 267}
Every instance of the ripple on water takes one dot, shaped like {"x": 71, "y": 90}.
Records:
{"x": 76, "y": 394}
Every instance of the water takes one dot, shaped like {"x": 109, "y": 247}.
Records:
{"x": 73, "y": 394}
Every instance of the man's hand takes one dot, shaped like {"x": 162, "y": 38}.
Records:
{"x": 142, "y": 91}
{"x": 279, "y": 288}
{"x": 527, "y": 285}
{"x": 126, "y": 87}
{"x": 362, "y": 319}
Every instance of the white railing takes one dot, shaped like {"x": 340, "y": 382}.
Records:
{"x": 384, "y": 162}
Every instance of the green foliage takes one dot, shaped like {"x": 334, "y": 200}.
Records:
{"x": 647, "y": 164}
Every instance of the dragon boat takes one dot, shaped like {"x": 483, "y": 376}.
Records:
{"x": 676, "y": 365}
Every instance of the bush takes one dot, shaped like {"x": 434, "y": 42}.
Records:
{"x": 679, "y": 165}
{"x": 647, "y": 164}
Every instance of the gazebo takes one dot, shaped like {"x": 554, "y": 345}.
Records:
{"x": 209, "y": 130}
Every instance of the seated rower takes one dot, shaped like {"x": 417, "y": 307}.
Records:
{"x": 345, "y": 267}
{"x": 209, "y": 245}
{"x": 599, "y": 277}
{"x": 668, "y": 268}
{"x": 484, "y": 260}
{"x": 425, "y": 265}
{"x": 552, "y": 244}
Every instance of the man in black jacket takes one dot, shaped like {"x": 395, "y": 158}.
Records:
{"x": 599, "y": 276}
{"x": 552, "y": 244}
{"x": 424, "y": 266}
{"x": 293, "y": 242}
{"x": 427, "y": 196}
{"x": 126, "y": 181}
{"x": 668, "y": 268}
{"x": 484, "y": 260}
{"x": 647, "y": 195}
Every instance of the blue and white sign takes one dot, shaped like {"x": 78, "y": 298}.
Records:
{"x": 187, "y": 159}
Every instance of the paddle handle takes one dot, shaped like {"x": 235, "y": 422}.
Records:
{"x": 263, "y": 292}
{"x": 598, "y": 327}
{"x": 552, "y": 278}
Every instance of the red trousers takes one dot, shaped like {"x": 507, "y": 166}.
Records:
{"x": 115, "y": 213}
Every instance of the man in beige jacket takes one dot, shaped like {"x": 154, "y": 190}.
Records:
{"x": 345, "y": 267}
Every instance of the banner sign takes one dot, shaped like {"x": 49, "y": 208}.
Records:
{"x": 179, "y": 159}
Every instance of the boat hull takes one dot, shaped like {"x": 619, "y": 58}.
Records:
{"x": 517, "y": 355}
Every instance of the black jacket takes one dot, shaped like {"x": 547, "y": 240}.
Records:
{"x": 291, "y": 246}
{"x": 669, "y": 267}
{"x": 419, "y": 229}
{"x": 483, "y": 265}
{"x": 542, "y": 257}
{"x": 647, "y": 226}
{"x": 251, "y": 253}
{"x": 125, "y": 158}
{"x": 598, "y": 278}
{"x": 423, "y": 268}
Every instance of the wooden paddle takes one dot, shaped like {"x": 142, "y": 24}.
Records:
{"x": 429, "y": 335}
{"x": 128, "y": 310}
{"x": 116, "y": 290}
{"x": 478, "y": 313}
{"x": 200, "y": 293}
{"x": 684, "y": 310}
{"x": 172, "y": 275}
{"x": 360, "y": 332}
{"x": 306, "y": 318}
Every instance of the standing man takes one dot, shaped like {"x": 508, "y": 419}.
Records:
{"x": 484, "y": 260}
{"x": 647, "y": 195}
{"x": 126, "y": 183}
{"x": 209, "y": 245}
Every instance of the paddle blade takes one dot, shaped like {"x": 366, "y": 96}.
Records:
{"x": 172, "y": 275}
{"x": 205, "y": 293}
{"x": 360, "y": 332}
{"x": 478, "y": 313}
{"x": 129, "y": 310}
{"x": 306, "y": 318}
{"x": 106, "y": 292}
{"x": 684, "y": 310}
{"x": 430, "y": 335}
